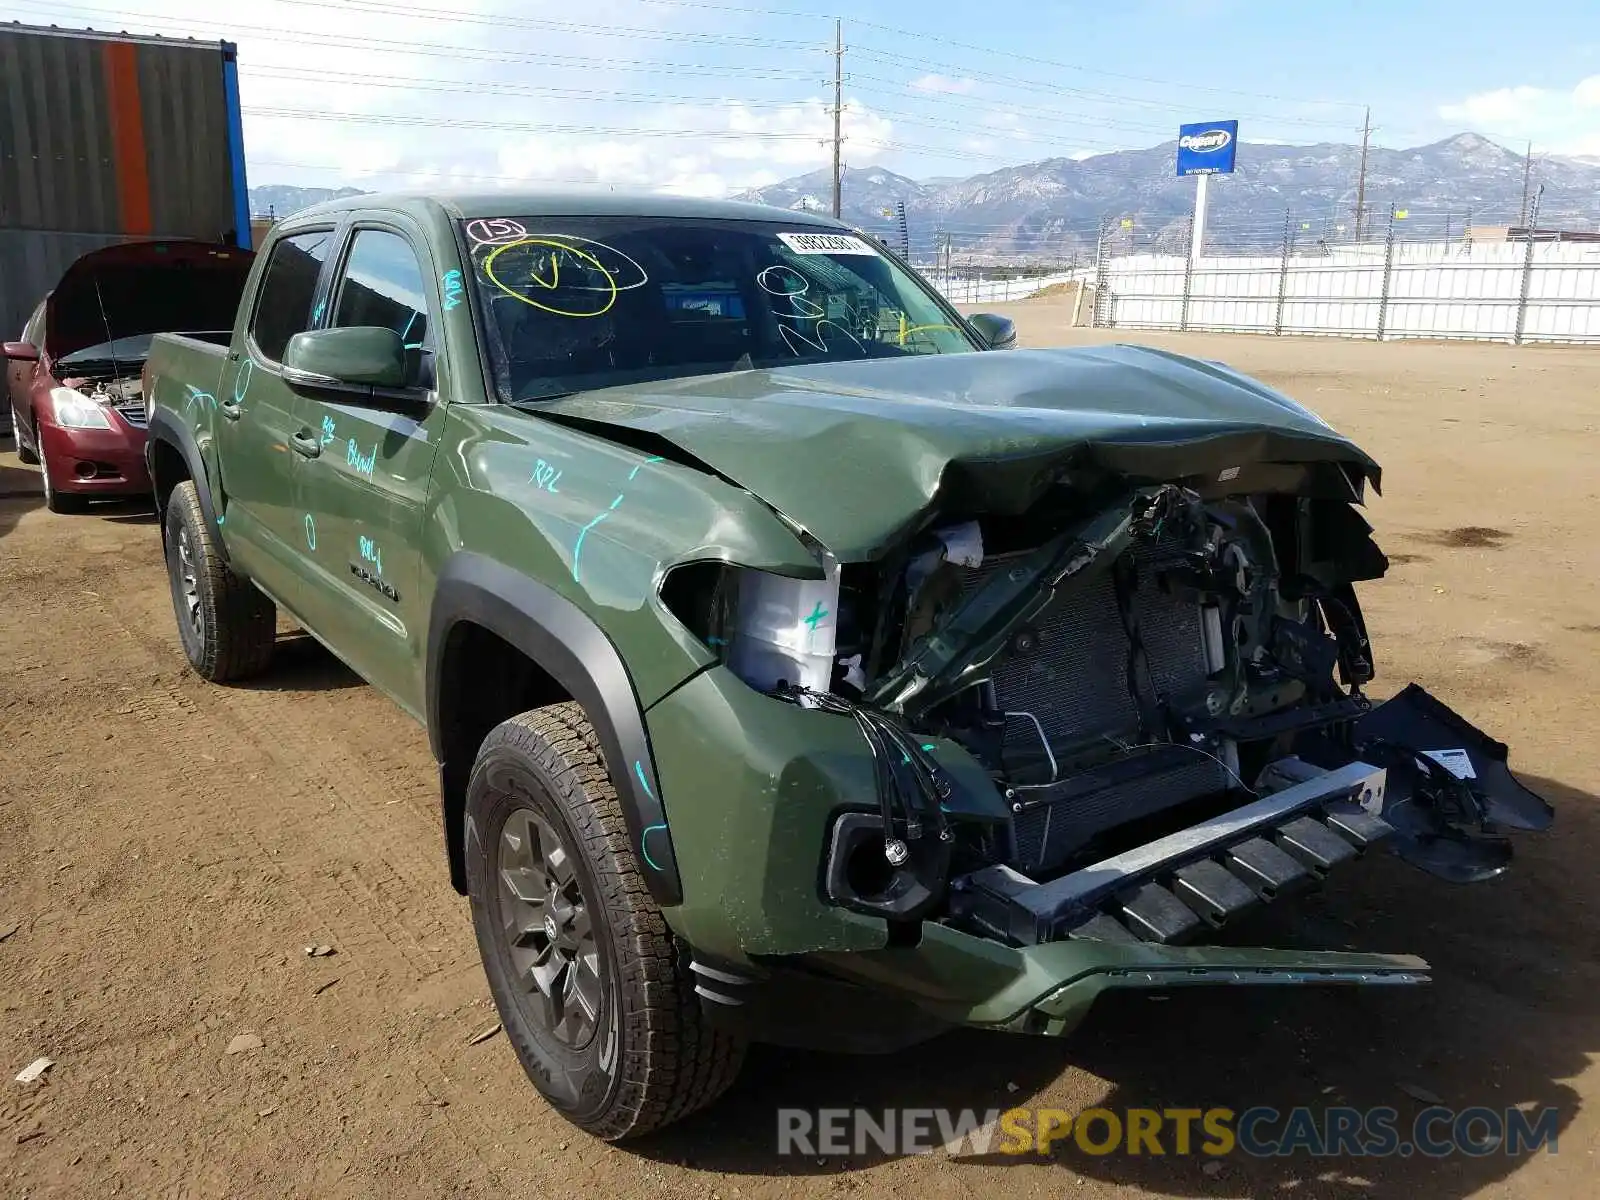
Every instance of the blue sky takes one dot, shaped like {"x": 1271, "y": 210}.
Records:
{"x": 709, "y": 96}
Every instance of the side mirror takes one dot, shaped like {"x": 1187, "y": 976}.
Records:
{"x": 995, "y": 331}
{"x": 22, "y": 352}
{"x": 358, "y": 355}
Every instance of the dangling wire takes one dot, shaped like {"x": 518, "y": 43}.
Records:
{"x": 907, "y": 776}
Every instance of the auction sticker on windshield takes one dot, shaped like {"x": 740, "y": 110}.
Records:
{"x": 825, "y": 243}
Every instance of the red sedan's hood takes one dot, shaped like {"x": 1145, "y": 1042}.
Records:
{"x": 144, "y": 287}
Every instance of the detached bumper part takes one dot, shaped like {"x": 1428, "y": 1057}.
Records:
{"x": 1452, "y": 798}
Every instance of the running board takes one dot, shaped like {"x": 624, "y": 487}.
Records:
{"x": 1177, "y": 886}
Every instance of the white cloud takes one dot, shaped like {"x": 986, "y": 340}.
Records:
{"x": 1561, "y": 121}
{"x": 943, "y": 84}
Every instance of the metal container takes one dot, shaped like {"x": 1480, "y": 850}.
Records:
{"x": 107, "y": 138}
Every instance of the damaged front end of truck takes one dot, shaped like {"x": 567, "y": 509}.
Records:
{"x": 1106, "y": 668}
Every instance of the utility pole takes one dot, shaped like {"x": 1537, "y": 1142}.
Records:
{"x": 838, "y": 112}
{"x": 1361, "y": 177}
{"x": 1527, "y": 178}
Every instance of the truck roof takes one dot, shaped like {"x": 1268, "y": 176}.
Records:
{"x": 571, "y": 203}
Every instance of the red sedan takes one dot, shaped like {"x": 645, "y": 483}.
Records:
{"x": 76, "y": 397}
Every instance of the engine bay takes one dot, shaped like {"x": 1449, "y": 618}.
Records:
{"x": 1171, "y": 666}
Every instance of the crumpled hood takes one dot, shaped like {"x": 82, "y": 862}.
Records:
{"x": 855, "y": 452}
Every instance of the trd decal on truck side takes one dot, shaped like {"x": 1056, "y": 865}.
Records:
{"x": 374, "y": 581}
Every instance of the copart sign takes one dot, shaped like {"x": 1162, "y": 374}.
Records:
{"x": 1207, "y": 147}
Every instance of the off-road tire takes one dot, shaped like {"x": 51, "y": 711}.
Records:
{"x": 663, "y": 1060}
{"x": 25, "y": 456}
{"x": 236, "y": 623}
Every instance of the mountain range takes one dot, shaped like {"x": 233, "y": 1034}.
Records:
{"x": 1055, "y": 208}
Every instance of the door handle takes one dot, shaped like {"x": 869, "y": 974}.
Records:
{"x": 306, "y": 443}
{"x": 230, "y": 409}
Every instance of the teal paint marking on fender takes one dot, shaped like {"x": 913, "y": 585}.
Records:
{"x": 545, "y": 476}
{"x": 644, "y": 838}
{"x": 577, "y": 546}
{"x": 311, "y": 533}
{"x": 644, "y": 845}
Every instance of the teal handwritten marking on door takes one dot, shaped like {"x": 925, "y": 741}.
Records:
{"x": 241, "y": 382}
{"x": 370, "y": 552}
{"x": 358, "y": 462}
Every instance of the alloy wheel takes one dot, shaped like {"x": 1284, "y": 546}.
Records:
{"x": 188, "y": 581}
{"x": 549, "y": 933}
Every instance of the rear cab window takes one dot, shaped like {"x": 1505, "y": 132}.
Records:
{"x": 288, "y": 286}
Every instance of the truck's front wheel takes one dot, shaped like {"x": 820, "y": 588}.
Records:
{"x": 226, "y": 626}
{"x": 593, "y": 990}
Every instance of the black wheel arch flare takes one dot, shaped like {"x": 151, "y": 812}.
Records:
{"x": 166, "y": 430}
{"x": 558, "y": 637}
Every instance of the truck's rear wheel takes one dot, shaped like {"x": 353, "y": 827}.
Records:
{"x": 226, "y": 625}
{"x": 593, "y": 990}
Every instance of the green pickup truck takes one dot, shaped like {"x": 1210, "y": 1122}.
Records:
{"x": 803, "y": 662}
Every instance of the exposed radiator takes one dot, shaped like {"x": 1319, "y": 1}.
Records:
{"x": 1074, "y": 680}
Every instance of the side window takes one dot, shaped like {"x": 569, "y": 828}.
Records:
{"x": 290, "y": 281}
{"x": 383, "y": 285}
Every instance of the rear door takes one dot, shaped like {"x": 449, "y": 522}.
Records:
{"x": 366, "y": 490}
{"x": 266, "y": 527}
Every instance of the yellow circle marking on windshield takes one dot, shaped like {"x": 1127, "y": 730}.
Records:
{"x": 907, "y": 330}
{"x": 555, "y": 276}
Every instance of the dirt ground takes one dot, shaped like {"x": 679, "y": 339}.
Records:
{"x": 168, "y": 848}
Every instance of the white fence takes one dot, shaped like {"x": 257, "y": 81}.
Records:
{"x": 1492, "y": 291}
{"x": 969, "y": 289}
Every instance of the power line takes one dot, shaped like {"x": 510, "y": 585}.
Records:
{"x": 451, "y": 175}
{"x": 410, "y": 120}
{"x": 1064, "y": 66}
{"x": 1056, "y": 89}
{"x": 532, "y": 91}
{"x": 460, "y": 53}
{"x": 901, "y": 88}
{"x": 500, "y": 21}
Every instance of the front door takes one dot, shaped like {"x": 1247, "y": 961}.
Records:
{"x": 256, "y": 418}
{"x": 366, "y": 489}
